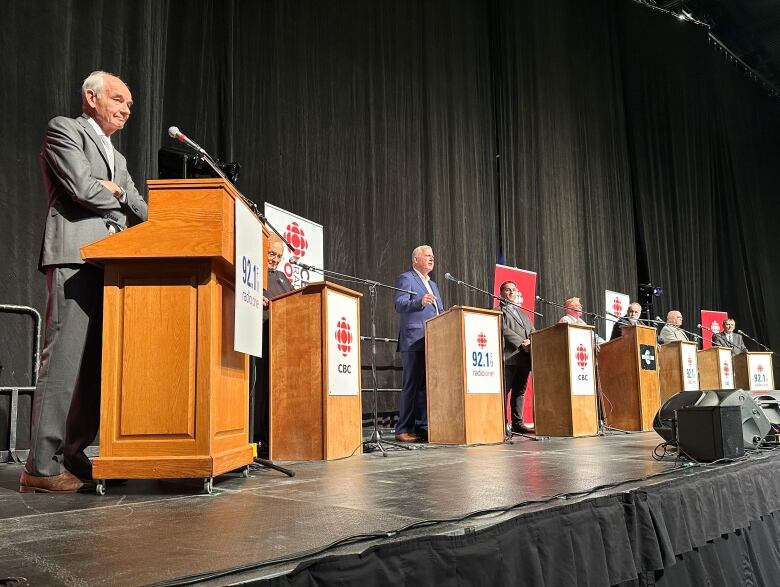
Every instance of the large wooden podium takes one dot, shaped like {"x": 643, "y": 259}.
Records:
{"x": 754, "y": 371}
{"x": 716, "y": 369}
{"x": 464, "y": 376}
{"x": 174, "y": 397}
{"x": 564, "y": 382}
{"x": 629, "y": 379}
{"x": 678, "y": 368}
{"x": 314, "y": 371}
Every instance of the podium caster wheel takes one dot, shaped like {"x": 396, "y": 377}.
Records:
{"x": 208, "y": 485}
{"x": 100, "y": 487}
{"x": 245, "y": 472}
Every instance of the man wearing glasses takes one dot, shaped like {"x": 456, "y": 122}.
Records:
{"x": 276, "y": 285}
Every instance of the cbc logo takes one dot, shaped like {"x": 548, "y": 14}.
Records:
{"x": 715, "y": 327}
{"x": 690, "y": 362}
{"x": 297, "y": 238}
{"x": 617, "y": 307}
{"x": 582, "y": 356}
{"x": 344, "y": 343}
{"x": 760, "y": 368}
{"x": 481, "y": 340}
{"x": 726, "y": 369}
{"x": 519, "y": 298}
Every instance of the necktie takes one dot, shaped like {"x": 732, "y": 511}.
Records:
{"x": 109, "y": 148}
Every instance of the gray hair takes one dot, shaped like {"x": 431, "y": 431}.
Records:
{"x": 418, "y": 250}
{"x": 95, "y": 81}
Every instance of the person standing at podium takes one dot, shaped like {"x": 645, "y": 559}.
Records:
{"x": 630, "y": 319}
{"x": 415, "y": 309}
{"x": 573, "y": 315}
{"x": 91, "y": 195}
{"x": 672, "y": 329}
{"x": 277, "y": 284}
{"x": 516, "y": 329}
{"x": 730, "y": 339}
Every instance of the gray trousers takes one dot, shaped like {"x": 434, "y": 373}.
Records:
{"x": 66, "y": 404}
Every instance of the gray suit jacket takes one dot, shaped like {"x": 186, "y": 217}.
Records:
{"x": 515, "y": 330}
{"x": 670, "y": 333}
{"x": 72, "y": 162}
{"x": 737, "y": 345}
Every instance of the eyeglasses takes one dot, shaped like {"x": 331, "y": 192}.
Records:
{"x": 272, "y": 255}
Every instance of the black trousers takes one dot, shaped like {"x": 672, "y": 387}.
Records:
{"x": 516, "y": 380}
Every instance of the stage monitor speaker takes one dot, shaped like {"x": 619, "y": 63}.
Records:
{"x": 755, "y": 424}
{"x": 664, "y": 422}
{"x": 710, "y": 433}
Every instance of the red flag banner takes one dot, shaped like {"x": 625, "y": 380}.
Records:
{"x": 711, "y": 324}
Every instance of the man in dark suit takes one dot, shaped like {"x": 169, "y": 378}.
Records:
{"x": 276, "y": 285}
{"x": 730, "y": 339}
{"x": 516, "y": 329}
{"x": 91, "y": 195}
{"x": 415, "y": 309}
{"x": 630, "y": 319}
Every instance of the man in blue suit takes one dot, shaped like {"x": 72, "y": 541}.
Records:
{"x": 415, "y": 310}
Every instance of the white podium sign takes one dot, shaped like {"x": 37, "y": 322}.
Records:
{"x": 581, "y": 361}
{"x": 483, "y": 353}
{"x": 760, "y": 372}
{"x": 343, "y": 341}
{"x": 726, "y": 367}
{"x": 690, "y": 366}
{"x": 248, "y": 337}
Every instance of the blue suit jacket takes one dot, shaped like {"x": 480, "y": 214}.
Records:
{"x": 413, "y": 313}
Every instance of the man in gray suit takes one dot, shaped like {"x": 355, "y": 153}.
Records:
{"x": 730, "y": 339}
{"x": 516, "y": 329}
{"x": 672, "y": 329}
{"x": 91, "y": 195}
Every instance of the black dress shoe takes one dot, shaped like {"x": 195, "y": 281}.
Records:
{"x": 521, "y": 428}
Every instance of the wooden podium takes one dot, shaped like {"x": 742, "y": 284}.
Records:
{"x": 754, "y": 371}
{"x": 678, "y": 368}
{"x": 174, "y": 394}
{"x": 314, "y": 371}
{"x": 564, "y": 382}
{"x": 716, "y": 369}
{"x": 464, "y": 376}
{"x": 628, "y": 372}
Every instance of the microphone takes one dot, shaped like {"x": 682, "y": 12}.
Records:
{"x": 451, "y": 277}
{"x": 700, "y": 326}
{"x": 175, "y": 133}
{"x": 303, "y": 265}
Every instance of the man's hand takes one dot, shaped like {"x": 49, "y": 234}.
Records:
{"x": 526, "y": 344}
{"x": 117, "y": 191}
{"x": 266, "y": 301}
{"x": 428, "y": 299}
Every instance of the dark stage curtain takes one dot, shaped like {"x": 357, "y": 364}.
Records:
{"x": 601, "y": 144}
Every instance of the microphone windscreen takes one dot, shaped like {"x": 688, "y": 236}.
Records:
{"x": 173, "y": 132}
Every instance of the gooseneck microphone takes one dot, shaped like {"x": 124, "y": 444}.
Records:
{"x": 701, "y": 326}
{"x": 451, "y": 277}
{"x": 175, "y": 133}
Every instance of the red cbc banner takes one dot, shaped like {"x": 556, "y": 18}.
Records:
{"x": 711, "y": 324}
{"x": 526, "y": 297}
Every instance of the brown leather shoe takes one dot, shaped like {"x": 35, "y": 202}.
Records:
{"x": 407, "y": 437}
{"x": 65, "y": 482}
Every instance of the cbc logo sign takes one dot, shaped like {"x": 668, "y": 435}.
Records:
{"x": 581, "y": 356}
{"x": 297, "y": 238}
{"x": 344, "y": 342}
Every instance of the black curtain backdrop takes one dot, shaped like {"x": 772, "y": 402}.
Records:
{"x": 602, "y": 144}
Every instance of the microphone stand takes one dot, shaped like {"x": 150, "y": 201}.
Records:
{"x": 509, "y": 433}
{"x": 375, "y": 441}
{"x": 603, "y": 426}
{"x": 766, "y": 348}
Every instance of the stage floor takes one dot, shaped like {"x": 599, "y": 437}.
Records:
{"x": 145, "y": 532}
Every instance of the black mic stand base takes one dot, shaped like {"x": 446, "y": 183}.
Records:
{"x": 269, "y": 464}
{"x": 375, "y": 442}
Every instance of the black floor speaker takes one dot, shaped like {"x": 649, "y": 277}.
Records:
{"x": 710, "y": 433}
{"x": 755, "y": 424}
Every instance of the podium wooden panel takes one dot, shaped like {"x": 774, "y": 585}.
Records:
{"x": 557, "y": 411}
{"x": 631, "y": 394}
{"x": 456, "y": 416}
{"x": 711, "y": 368}
{"x": 306, "y": 423}
{"x": 174, "y": 396}
{"x": 671, "y": 368}
{"x": 742, "y": 377}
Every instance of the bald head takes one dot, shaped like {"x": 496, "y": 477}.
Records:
{"x": 674, "y": 317}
